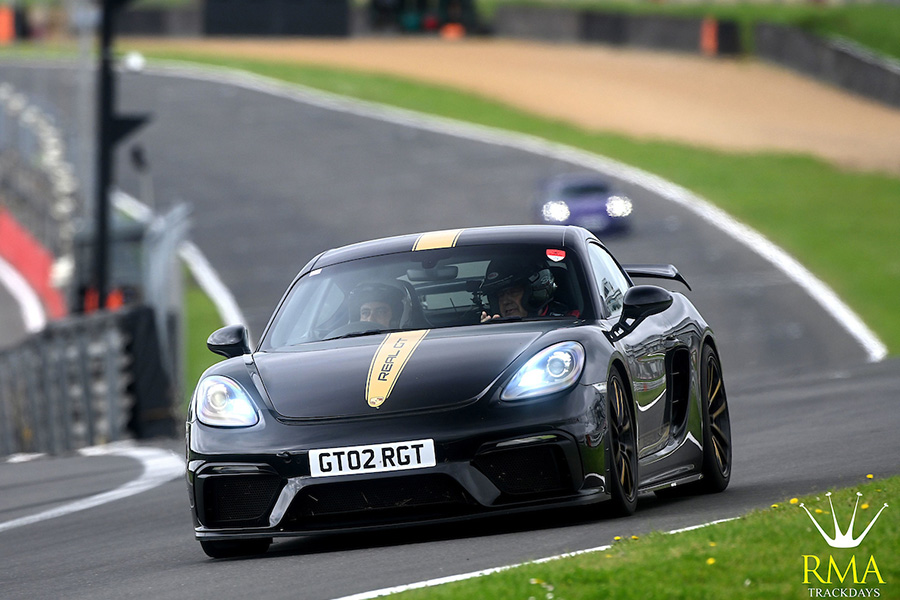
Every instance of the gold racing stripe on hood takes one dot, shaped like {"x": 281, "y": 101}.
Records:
{"x": 392, "y": 355}
{"x": 437, "y": 239}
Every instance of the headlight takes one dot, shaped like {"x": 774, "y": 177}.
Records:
{"x": 551, "y": 370}
{"x": 618, "y": 206}
{"x": 556, "y": 211}
{"x": 221, "y": 402}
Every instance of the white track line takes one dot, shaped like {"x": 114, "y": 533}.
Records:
{"x": 756, "y": 242}
{"x": 159, "y": 467}
{"x": 463, "y": 576}
{"x": 33, "y": 316}
{"x": 201, "y": 269}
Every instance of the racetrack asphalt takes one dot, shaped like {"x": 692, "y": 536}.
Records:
{"x": 272, "y": 182}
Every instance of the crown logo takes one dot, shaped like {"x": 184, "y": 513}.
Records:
{"x": 843, "y": 539}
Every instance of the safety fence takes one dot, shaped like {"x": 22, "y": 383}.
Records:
{"x": 839, "y": 62}
{"x": 566, "y": 24}
{"x": 84, "y": 381}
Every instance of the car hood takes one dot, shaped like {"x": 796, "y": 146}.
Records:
{"x": 392, "y": 373}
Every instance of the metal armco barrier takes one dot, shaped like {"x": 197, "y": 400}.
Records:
{"x": 838, "y": 62}
{"x": 77, "y": 384}
{"x": 682, "y": 34}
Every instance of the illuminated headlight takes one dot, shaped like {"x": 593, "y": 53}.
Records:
{"x": 618, "y": 206}
{"x": 556, "y": 211}
{"x": 221, "y": 402}
{"x": 551, "y": 370}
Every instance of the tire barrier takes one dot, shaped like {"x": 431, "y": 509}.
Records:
{"x": 85, "y": 381}
{"x": 841, "y": 63}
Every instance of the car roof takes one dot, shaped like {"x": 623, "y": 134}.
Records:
{"x": 550, "y": 235}
{"x": 569, "y": 179}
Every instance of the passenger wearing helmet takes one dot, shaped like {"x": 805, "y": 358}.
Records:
{"x": 376, "y": 303}
{"x": 520, "y": 288}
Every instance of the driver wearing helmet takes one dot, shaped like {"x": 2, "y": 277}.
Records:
{"x": 518, "y": 288}
{"x": 376, "y": 303}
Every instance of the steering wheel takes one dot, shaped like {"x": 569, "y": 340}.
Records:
{"x": 354, "y": 327}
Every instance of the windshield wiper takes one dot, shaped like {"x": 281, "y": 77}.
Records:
{"x": 354, "y": 334}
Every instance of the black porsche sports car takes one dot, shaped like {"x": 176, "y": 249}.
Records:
{"x": 454, "y": 374}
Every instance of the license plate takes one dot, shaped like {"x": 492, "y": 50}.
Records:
{"x": 375, "y": 458}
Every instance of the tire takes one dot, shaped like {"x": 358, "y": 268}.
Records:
{"x": 235, "y": 548}
{"x": 622, "y": 449}
{"x": 716, "y": 425}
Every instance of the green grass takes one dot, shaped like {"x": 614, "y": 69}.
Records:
{"x": 759, "y": 556}
{"x": 842, "y": 225}
{"x": 201, "y": 319}
{"x": 875, "y": 25}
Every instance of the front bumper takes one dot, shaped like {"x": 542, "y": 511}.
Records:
{"x": 497, "y": 467}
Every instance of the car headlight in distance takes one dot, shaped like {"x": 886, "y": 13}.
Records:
{"x": 555, "y": 211}
{"x": 618, "y": 206}
{"x": 551, "y": 370}
{"x": 222, "y": 402}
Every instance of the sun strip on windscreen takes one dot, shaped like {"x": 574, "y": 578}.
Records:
{"x": 437, "y": 239}
{"x": 389, "y": 360}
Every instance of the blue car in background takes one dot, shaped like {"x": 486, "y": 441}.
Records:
{"x": 586, "y": 200}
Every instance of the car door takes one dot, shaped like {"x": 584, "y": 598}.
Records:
{"x": 644, "y": 348}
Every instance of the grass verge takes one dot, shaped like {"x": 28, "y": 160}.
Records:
{"x": 201, "y": 319}
{"x": 841, "y": 225}
{"x": 760, "y": 555}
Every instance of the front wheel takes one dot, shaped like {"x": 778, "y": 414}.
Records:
{"x": 716, "y": 425}
{"x": 622, "y": 449}
{"x": 235, "y": 548}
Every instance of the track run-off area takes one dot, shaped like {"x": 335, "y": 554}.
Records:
{"x": 275, "y": 174}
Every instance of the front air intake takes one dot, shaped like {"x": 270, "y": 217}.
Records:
{"x": 525, "y": 471}
{"x": 239, "y": 500}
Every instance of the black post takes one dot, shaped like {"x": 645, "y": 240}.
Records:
{"x": 105, "y": 93}
{"x": 110, "y": 130}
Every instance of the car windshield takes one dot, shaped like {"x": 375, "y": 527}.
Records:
{"x": 583, "y": 189}
{"x": 425, "y": 290}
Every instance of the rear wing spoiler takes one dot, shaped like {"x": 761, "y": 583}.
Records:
{"x": 656, "y": 272}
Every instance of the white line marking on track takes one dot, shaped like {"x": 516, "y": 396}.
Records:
{"x": 159, "y": 467}
{"x": 755, "y": 241}
{"x": 22, "y": 457}
{"x": 463, "y": 576}
{"x": 204, "y": 273}
{"x": 33, "y": 316}
{"x": 752, "y": 239}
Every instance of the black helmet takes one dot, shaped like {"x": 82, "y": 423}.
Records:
{"x": 376, "y": 292}
{"x": 533, "y": 276}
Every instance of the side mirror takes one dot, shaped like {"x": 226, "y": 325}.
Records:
{"x": 640, "y": 302}
{"x": 643, "y": 301}
{"x": 230, "y": 341}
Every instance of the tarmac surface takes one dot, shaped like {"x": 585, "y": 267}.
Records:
{"x": 272, "y": 182}
{"x": 736, "y": 105}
